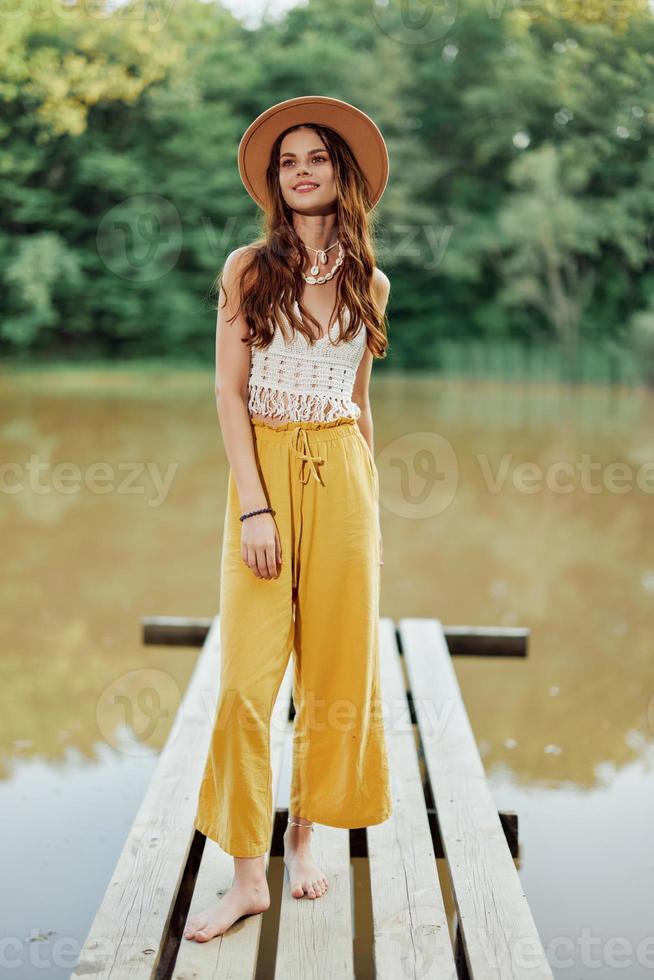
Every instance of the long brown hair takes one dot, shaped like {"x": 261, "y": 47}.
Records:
{"x": 271, "y": 280}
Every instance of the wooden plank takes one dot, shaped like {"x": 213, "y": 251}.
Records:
{"x": 487, "y": 641}
{"x": 186, "y": 631}
{"x": 477, "y": 641}
{"x": 499, "y": 934}
{"x": 128, "y": 931}
{"x": 235, "y": 953}
{"x": 316, "y": 934}
{"x": 508, "y": 819}
{"x": 411, "y": 936}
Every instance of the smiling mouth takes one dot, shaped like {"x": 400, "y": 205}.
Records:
{"x": 303, "y": 188}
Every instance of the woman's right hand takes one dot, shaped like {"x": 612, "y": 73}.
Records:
{"x": 261, "y": 547}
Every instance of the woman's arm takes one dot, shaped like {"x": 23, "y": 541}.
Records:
{"x": 360, "y": 394}
{"x": 260, "y": 545}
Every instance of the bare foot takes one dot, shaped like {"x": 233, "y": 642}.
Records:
{"x": 305, "y": 875}
{"x": 245, "y": 897}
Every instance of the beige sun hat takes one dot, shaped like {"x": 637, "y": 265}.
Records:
{"x": 358, "y": 129}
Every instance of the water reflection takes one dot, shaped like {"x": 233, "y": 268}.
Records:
{"x": 502, "y": 504}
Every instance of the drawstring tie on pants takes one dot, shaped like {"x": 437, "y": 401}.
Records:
{"x": 302, "y": 450}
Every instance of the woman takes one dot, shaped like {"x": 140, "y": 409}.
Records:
{"x": 303, "y": 314}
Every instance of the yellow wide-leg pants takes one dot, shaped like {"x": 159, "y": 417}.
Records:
{"x": 322, "y": 482}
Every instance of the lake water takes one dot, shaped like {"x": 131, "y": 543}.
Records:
{"x": 503, "y": 504}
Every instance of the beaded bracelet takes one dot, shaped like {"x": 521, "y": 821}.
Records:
{"x": 262, "y": 510}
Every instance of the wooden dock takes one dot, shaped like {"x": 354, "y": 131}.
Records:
{"x": 442, "y": 807}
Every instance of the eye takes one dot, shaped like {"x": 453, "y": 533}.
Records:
{"x": 319, "y": 157}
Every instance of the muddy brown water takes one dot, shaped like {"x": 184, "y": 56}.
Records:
{"x": 503, "y": 503}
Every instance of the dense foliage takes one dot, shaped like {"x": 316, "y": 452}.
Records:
{"x": 520, "y": 205}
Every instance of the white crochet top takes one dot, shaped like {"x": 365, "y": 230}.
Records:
{"x": 300, "y": 382}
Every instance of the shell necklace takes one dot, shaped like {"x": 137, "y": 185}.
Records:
{"x": 321, "y": 257}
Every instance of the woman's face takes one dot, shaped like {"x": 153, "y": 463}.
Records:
{"x": 306, "y": 174}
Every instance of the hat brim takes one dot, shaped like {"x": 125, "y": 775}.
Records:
{"x": 358, "y": 129}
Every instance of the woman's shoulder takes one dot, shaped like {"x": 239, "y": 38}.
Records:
{"x": 381, "y": 287}
{"x": 237, "y": 260}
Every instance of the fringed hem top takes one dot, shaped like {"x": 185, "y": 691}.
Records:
{"x": 303, "y": 382}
